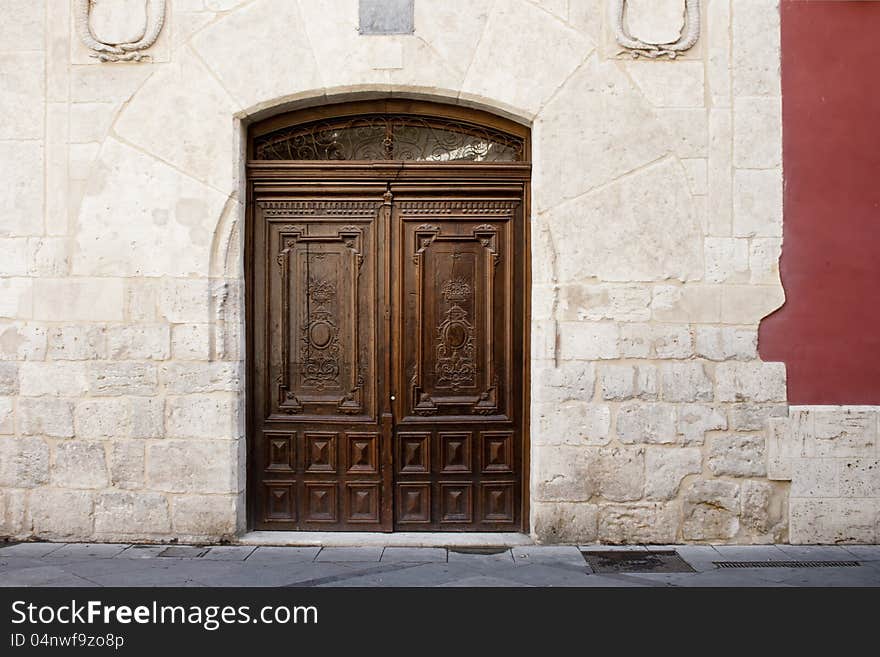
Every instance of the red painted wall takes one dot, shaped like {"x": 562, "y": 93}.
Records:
{"x": 828, "y": 331}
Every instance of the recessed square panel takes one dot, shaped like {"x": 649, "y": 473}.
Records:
{"x": 455, "y": 503}
{"x": 362, "y": 453}
{"x": 496, "y": 451}
{"x": 413, "y": 503}
{"x": 280, "y": 502}
{"x": 455, "y": 452}
{"x": 362, "y": 503}
{"x": 280, "y": 452}
{"x": 496, "y": 502}
{"x": 413, "y": 452}
{"x": 320, "y": 451}
{"x": 320, "y": 503}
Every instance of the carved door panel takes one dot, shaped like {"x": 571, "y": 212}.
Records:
{"x": 458, "y": 435}
{"x": 321, "y": 451}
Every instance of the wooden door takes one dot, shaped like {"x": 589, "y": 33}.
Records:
{"x": 388, "y": 359}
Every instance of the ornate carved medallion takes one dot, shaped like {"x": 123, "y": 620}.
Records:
{"x": 119, "y": 30}
{"x": 687, "y": 38}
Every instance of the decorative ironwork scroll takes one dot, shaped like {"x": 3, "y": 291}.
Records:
{"x": 390, "y": 137}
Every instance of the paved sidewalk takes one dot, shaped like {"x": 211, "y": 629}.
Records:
{"x": 89, "y": 565}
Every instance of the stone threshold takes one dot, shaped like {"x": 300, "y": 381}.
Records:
{"x": 379, "y": 539}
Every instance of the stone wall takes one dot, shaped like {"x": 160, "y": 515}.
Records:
{"x": 656, "y": 231}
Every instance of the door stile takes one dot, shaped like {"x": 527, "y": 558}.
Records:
{"x": 386, "y": 350}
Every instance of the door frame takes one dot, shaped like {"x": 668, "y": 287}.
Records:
{"x": 351, "y": 176}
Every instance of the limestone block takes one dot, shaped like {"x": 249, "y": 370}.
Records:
{"x": 89, "y": 84}
{"x": 544, "y": 340}
{"x": 204, "y": 515}
{"x": 91, "y": 122}
{"x": 13, "y": 256}
{"x": 565, "y": 522}
{"x": 193, "y": 466}
{"x": 189, "y": 378}
{"x": 753, "y": 381}
{"x": 727, "y": 260}
{"x": 641, "y": 422}
{"x": 110, "y": 379}
{"x": 523, "y": 72}
{"x": 23, "y": 88}
{"x": 64, "y": 379}
{"x": 120, "y": 417}
{"x": 453, "y": 28}
{"x": 204, "y": 149}
{"x": 202, "y": 416}
{"x": 697, "y": 170}
{"x": 572, "y": 423}
{"x": 764, "y": 511}
{"x": 822, "y": 521}
{"x": 132, "y": 514}
{"x": 655, "y": 341}
{"x": 859, "y": 477}
{"x": 711, "y": 510}
{"x": 597, "y": 128}
{"x": 640, "y": 244}
{"x": 841, "y": 432}
{"x": 619, "y": 473}
{"x": 14, "y": 519}
{"x": 24, "y": 30}
{"x": 78, "y": 299}
{"x": 191, "y": 342}
{"x": 688, "y": 131}
{"x": 8, "y": 378}
{"x": 79, "y": 464}
{"x": 641, "y": 523}
{"x": 171, "y": 218}
{"x": 21, "y": 195}
{"x": 77, "y": 342}
{"x": 749, "y": 304}
{"x": 139, "y": 342}
{"x": 624, "y": 303}
{"x": 255, "y": 76}
{"x": 126, "y": 463}
{"x": 783, "y": 445}
{"x": 811, "y": 477}
{"x": 20, "y": 341}
{"x": 570, "y": 381}
{"x": 757, "y": 203}
{"x": 757, "y": 133}
{"x": 666, "y": 467}
{"x": 7, "y": 416}
{"x": 720, "y": 168}
{"x": 62, "y": 514}
{"x": 738, "y": 455}
{"x": 563, "y": 474}
{"x": 182, "y": 301}
{"x": 726, "y": 343}
{"x": 688, "y": 303}
{"x": 751, "y": 417}
{"x": 588, "y": 340}
{"x": 48, "y": 256}
{"x": 588, "y": 16}
{"x": 718, "y": 65}
{"x": 622, "y": 382}
{"x": 764, "y": 253}
{"x": 669, "y": 83}
{"x": 45, "y": 416}
{"x": 686, "y": 382}
{"x": 24, "y": 462}
{"x": 756, "y": 45}
{"x": 694, "y": 420}
{"x": 16, "y": 298}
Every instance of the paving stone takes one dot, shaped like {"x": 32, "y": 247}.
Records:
{"x": 279, "y": 554}
{"x": 699, "y": 557}
{"x": 556, "y": 554}
{"x": 543, "y": 574}
{"x": 141, "y": 552}
{"x": 483, "y": 581}
{"x": 88, "y": 551}
{"x": 470, "y": 558}
{"x": 35, "y": 550}
{"x": 413, "y": 555}
{"x": 816, "y": 552}
{"x": 750, "y": 553}
{"x": 229, "y": 553}
{"x": 864, "y": 552}
{"x": 340, "y": 554}
{"x": 183, "y": 552}
{"x": 51, "y": 576}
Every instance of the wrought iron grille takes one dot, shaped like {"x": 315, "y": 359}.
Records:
{"x": 390, "y": 137}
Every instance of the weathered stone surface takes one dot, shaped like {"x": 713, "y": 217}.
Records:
{"x": 666, "y": 467}
{"x": 7, "y": 416}
{"x": 202, "y": 416}
{"x": 748, "y": 417}
{"x": 21, "y": 168}
{"x": 120, "y": 417}
{"x": 24, "y": 462}
{"x": 686, "y": 382}
{"x": 563, "y": 474}
{"x": 764, "y": 511}
{"x": 599, "y": 302}
{"x": 757, "y": 203}
{"x": 711, "y": 510}
{"x": 620, "y": 473}
{"x": 694, "y": 420}
{"x": 8, "y": 378}
{"x": 189, "y": 378}
{"x": 638, "y": 523}
{"x": 110, "y": 379}
{"x": 669, "y": 84}
{"x": 62, "y": 514}
{"x": 191, "y": 342}
{"x": 640, "y": 422}
{"x": 565, "y": 522}
{"x": 131, "y": 514}
{"x": 756, "y": 43}
{"x": 572, "y": 423}
{"x": 727, "y": 259}
{"x": 752, "y": 382}
{"x": 22, "y": 341}
{"x": 193, "y": 466}
{"x": 204, "y": 515}
{"x": 840, "y": 520}
{"x": 13, "y": 513}
{"x": 689, "y": 303}
{"x": 860, "y": 477}
{"x": 726, "y": 343}
{"x": 623, "y": 382}
{"x": 77, "y": 342}
{"x": 655, "y": 341}
{"x": 840, "y": 432}
{"x": 79, "y": 299}
{"x": 757, "y": 129}
{"x": 45, "y": 416}
{"x": 125, "y": 461}
{"x": 139, "y": 342}
{"x": 738, "y": 455}
{"x": 61, "y": 379}
{"x": 588, "y": 340}
{"x": 79, "y": 464}
{"x": 571, "y": 381}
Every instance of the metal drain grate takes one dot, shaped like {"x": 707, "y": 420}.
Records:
{"x": 635, "y": 561}
{"x": 786, "y": 564}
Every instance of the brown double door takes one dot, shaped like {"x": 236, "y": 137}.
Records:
{"x": 387, "y": 358}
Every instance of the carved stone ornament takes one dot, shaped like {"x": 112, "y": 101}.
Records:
{"x": 687, "y": 38}
{"x": 119, "y": 30}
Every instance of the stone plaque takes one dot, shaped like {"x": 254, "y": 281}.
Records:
{"x": 386, "y": 17}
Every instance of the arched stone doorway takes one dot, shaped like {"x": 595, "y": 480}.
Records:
{"x": 387, "y": 287}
